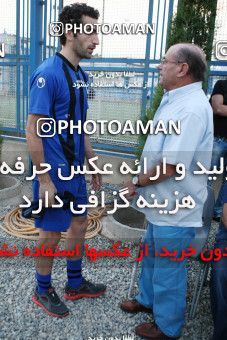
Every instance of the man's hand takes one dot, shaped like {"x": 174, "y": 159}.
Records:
{"x": 96, "y": 182}
{"x": 131, "y": 188}
{"x": 47, "y": 186}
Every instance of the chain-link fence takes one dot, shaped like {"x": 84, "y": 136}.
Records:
{"x": 122, "y": 74}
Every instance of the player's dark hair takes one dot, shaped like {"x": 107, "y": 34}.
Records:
{"x": 72, "y": 14}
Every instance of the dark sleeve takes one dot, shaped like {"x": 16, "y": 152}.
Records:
{"x": 218, "y": 88}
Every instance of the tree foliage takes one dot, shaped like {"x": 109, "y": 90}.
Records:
{"x": 194, "y": 22}
{"x": 149, "y": 116}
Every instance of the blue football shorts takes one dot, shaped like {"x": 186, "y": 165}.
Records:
{"x": 59, "y": 219}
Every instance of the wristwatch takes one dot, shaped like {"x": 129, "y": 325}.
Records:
{"x": 135, "y": 180}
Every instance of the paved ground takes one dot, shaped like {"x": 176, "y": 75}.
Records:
{"x": 21, "y": 319}
{"x": 96, "y": 319}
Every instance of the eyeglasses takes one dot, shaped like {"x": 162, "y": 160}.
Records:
{"x": 165, "y": 61}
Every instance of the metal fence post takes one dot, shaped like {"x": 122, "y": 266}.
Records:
{"x": 147, "y": 61}
{"x": 60, "y": 7}
{"x": 36, "y": 19}
{"x": 170, "y": 16}
{"x": 18, "y": 68}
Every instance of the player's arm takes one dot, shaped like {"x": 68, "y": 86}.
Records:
{"x": 96, "y": 180}
{"x": 89, "y": 152}
{"x": 35, "y": 147}
{"x": 218, "y": 106}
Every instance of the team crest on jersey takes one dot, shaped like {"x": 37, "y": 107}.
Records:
{"x": 41, "y": 82}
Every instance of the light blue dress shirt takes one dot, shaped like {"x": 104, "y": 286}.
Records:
{"x": 190, "y": 106}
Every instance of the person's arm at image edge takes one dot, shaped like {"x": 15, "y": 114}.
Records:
{"x": 218, "y": 106}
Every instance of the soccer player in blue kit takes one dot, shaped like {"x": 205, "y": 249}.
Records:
{"x": 53, "y": 95}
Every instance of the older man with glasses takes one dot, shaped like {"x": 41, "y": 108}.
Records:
{"x": 163, "y": 282}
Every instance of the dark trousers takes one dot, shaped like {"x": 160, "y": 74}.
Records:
{"x": 219, "y": 289}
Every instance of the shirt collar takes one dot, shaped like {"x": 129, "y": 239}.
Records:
{"x": 175, "y": 94}
{"x": 68, "y": 62}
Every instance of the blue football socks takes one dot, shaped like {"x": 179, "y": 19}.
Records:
{"x": 74, "y": 273}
